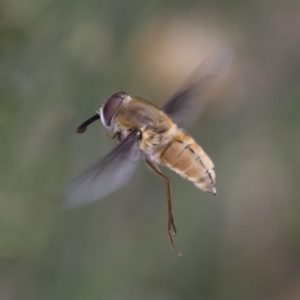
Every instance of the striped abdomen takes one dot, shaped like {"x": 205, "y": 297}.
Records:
{"x": 187, "y": 158}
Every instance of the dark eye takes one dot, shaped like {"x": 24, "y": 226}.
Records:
{"x": 110, "y": 108}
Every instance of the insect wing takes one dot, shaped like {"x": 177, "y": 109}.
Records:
{"x": 185, "y": 106}
{"x": 106, "y": 176}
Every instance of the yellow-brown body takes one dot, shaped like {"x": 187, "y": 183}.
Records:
{"x": 144, "y": 130}
{"x": 163, "y": 142}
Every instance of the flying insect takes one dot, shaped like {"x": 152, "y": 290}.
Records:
{"x": 145, "y": 131}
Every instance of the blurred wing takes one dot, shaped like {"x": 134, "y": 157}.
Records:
{"x": 185, "y": 106}
{"x": 106, "y": 176}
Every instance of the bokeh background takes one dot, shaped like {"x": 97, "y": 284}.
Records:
{"x": 59, "y": 60}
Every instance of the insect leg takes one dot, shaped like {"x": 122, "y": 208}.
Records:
{"x": 117, "y": 135}
{"x": 155, "y": 168}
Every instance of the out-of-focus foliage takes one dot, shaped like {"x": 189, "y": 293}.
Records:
{"x": 58, "y": 61}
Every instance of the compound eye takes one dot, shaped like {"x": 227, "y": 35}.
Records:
{"x": 110, "y": 108}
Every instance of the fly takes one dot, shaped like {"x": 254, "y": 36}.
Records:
{"x": 155, "y": 134}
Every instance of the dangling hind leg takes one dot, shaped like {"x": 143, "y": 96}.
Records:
{"x": 165, "y": 179}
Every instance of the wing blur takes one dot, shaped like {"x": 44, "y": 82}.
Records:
{"x": 185, "y": 106}
{"x": 106, "y": 176}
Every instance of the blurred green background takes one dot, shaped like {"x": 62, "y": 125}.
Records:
{"x": 58, "y": 61}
